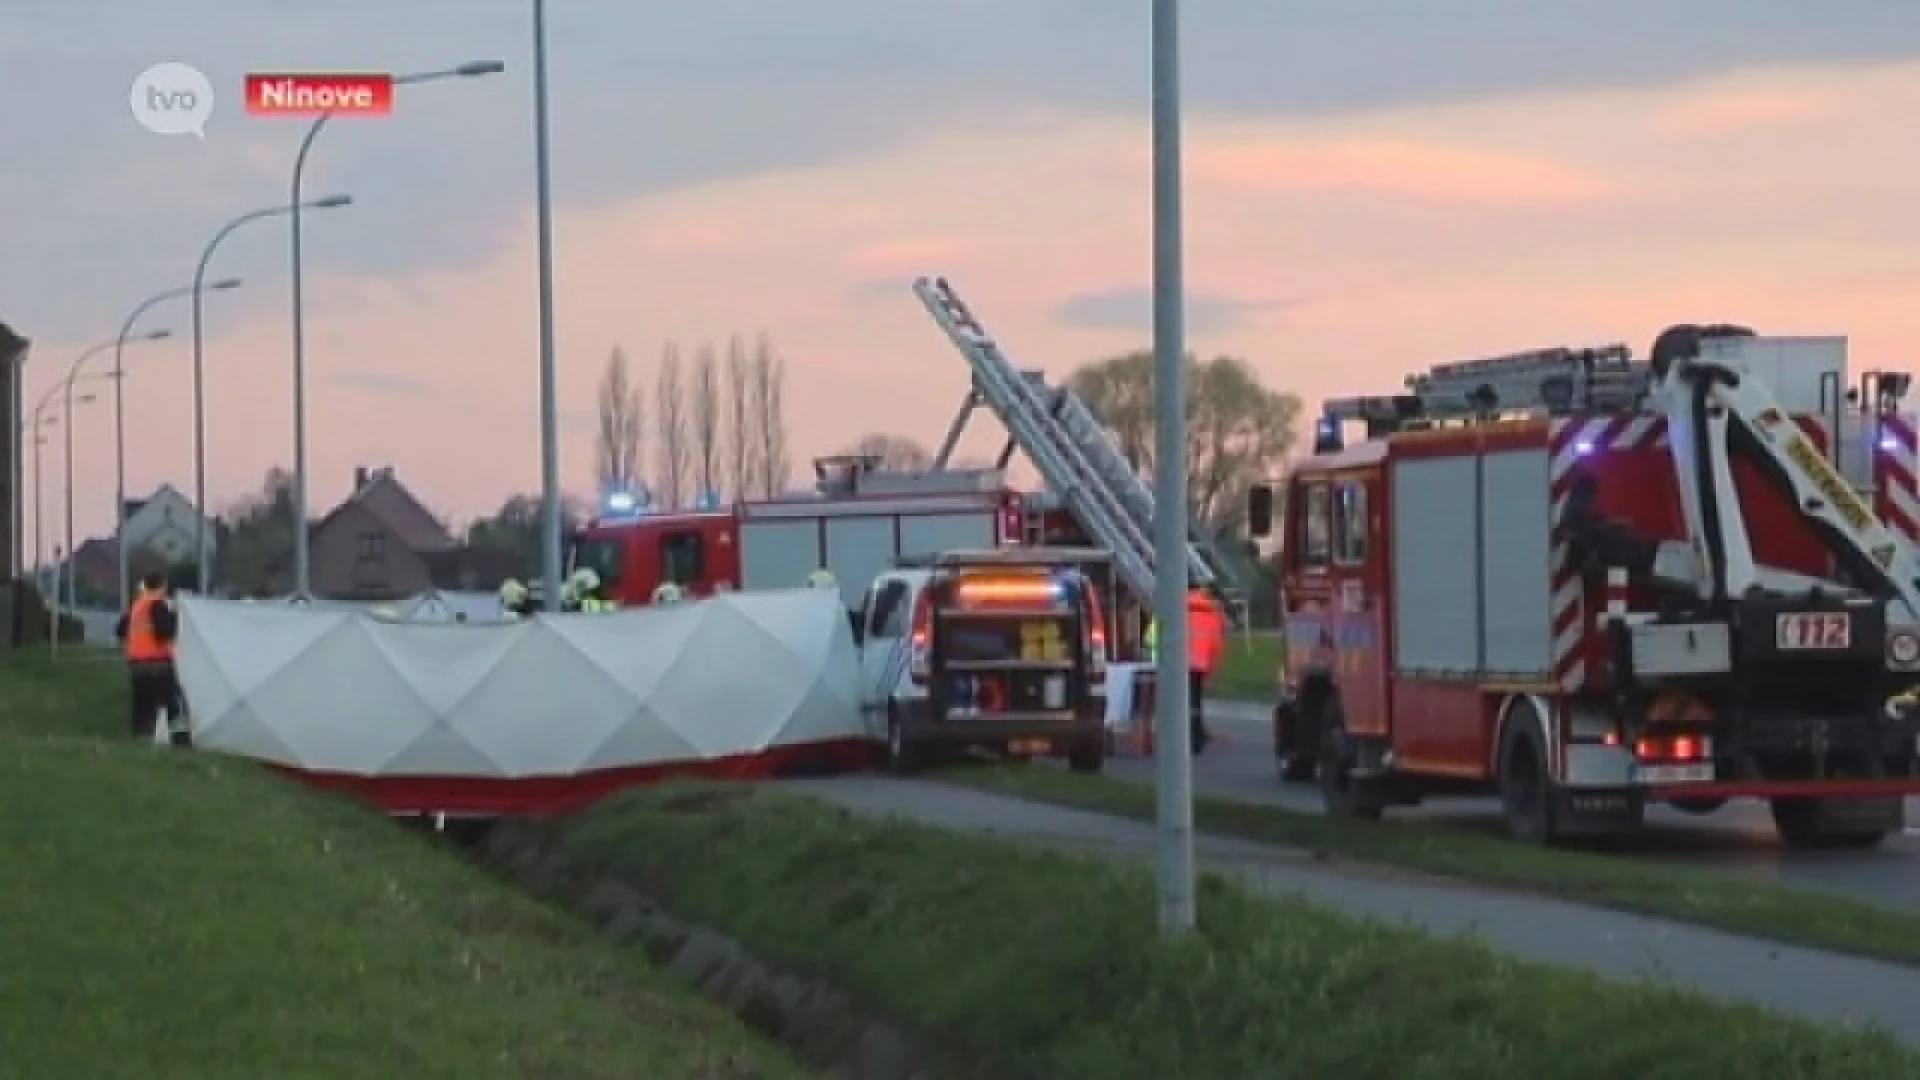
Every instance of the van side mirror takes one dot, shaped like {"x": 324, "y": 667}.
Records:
{"x": 1260, "y": 511}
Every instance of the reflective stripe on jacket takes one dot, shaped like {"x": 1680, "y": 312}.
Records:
{"x": 143, "y": 642}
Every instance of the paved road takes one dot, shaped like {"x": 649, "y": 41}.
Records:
{"x": 1738, "y": 839}
{"x": 1802, "y": 982}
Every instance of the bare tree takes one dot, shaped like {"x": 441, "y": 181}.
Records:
{"x": 670, "y": 404}
{"x": 706, "y": 420}
{"x": 623, "y": 424}
{"x": 767, "y": 407}
{"x": 895, "y": 452}
{"x": 743, "y": 449}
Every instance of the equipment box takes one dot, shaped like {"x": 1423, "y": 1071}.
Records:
{"x": 1667, "y": 649}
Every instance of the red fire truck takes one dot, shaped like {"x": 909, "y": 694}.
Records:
{"x": 860, "y": 521}
{"x": 1585, "y": 583}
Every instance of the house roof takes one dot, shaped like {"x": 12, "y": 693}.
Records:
{"x": 134, "y": 506}
{"x": 389, "y": 502}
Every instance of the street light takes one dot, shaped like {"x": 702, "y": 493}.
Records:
{"x": 205, "y": 563}
{"x": 73, "y": 374}
{"x": 549, "y": 377}
{"x": 302, "y": 562}
{"x": 41, "y": 421}
{"x": 1173, "y": 751}
{"x": 120, "y": 425}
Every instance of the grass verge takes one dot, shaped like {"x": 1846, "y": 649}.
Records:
{"x": 1026, "y": 963}
{"x": 182, "y": 915}
{"x": 1738, "y": 904}
{"x": 1249, "y": 668}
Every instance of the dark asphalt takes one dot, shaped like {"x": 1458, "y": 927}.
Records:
{"x": 1738, "y": 839}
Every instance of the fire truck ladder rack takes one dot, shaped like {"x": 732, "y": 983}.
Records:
{"x": 1074, "y": 453}
{"x": 1557, "y": 380}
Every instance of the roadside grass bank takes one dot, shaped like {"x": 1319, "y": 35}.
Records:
{"x": 1737, "y": 904}
{"x": 1249, "y": 668}
{"x": 1021, "y": 962}
{"x": 183, "y": 915}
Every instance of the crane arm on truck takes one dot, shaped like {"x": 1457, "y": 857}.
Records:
{"x": 1709, "y": 395}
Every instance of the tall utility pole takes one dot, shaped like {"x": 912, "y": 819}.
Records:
{"x": 549, "y": 375}
{"x": 1173, "y": 751}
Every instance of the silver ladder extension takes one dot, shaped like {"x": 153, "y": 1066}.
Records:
{"x": 1074, "y": 453}
{"x": 1558, "y": 380}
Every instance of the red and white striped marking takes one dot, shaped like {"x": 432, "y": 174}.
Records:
{"x": 1895, "y": 467}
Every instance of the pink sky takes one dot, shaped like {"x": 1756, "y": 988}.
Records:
{"x": 1389, "y": 241}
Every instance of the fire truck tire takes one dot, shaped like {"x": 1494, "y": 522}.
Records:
{"x": 903, "y": 757}
{"x": 1340, "y": 793}
{"x": 1798, "y": 823}
{"x": 1527, "y": 794}
{"x": 1090, "y": 758}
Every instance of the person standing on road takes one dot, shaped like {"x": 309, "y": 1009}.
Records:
{"x": 147, "y": 631}
{"x": 1206, "y": 637}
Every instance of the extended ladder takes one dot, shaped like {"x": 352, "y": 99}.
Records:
{"x": 1074, "y": 453}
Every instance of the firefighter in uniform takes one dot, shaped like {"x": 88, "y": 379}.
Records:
{"x": 516, "y": 602}
{"x": 1206, "y": 638}
{"x": 147, "y": 631}
{"x": 583, "y": 592}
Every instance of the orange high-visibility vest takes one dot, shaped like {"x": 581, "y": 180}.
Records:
{"x": 1206, "y": 632}
{"x": 142, "y": 643}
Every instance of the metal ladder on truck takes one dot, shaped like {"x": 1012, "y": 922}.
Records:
{"x": 1074, "y": 454}
{"x": 1602, "y": 379}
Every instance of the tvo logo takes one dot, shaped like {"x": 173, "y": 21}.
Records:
{"x": 172, "y": 99}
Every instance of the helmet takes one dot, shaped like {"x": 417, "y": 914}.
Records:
{"x": 822, "y": 579}
{"x": 584, "y": 580}
{"x": 668, "y": 593}
{"x": 512, "y": 592}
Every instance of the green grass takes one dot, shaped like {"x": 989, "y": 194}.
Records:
{"x": 1021, "y": 962}
{"x": 181, "y": 915}
{"x": 1736, "y": 903}
{"x": 1249, "y": 668}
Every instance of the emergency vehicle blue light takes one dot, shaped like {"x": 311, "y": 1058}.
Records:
{"x": 1889, "y": 444}
{"x": 624, "y": 502}
{"x": 1583, "y": 447}
{"x": 707, "y": 500}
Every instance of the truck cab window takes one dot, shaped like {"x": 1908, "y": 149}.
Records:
{"x": 1350, "y": 523}
{"x": 887, "y": 617}
{"x": 600, "y": 556}
{"x": 1316, "y": 527}
{"x": 683, "y": 558}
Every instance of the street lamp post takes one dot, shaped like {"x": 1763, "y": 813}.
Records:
{"x": 40, "y": 422}
{"x": 302, "y": 558}
{"x": 549, "y": 377}
{"x": 116, "y": 346}
{"x": 204, "y": 562}
{"x": 120, "y": 426}
{"x": 1173, "y": 751}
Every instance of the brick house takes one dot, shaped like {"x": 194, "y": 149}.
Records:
{"x": 380, "y": 544}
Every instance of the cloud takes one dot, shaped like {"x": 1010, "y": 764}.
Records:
{"x": 1741, "y": 110}
{"x": 1130, "y": 307}
{"x": 383, "y": 384}
{"x": 669, "y": 99}
{"x": 1396, "y": 281}
{"x": 1401, "y": 169}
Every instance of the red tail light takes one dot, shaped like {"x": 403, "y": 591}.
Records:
{"x": 919, "y": 638}
{"x": 1096, "y": 633}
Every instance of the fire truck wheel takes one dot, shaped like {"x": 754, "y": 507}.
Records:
{"x": 1798, "y": 822}
{"x": 903, "y": 758}
{"x": 1526, "y": 785}
{"x": 1089, "y": 759}
{"x": 1340, "y": 792}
